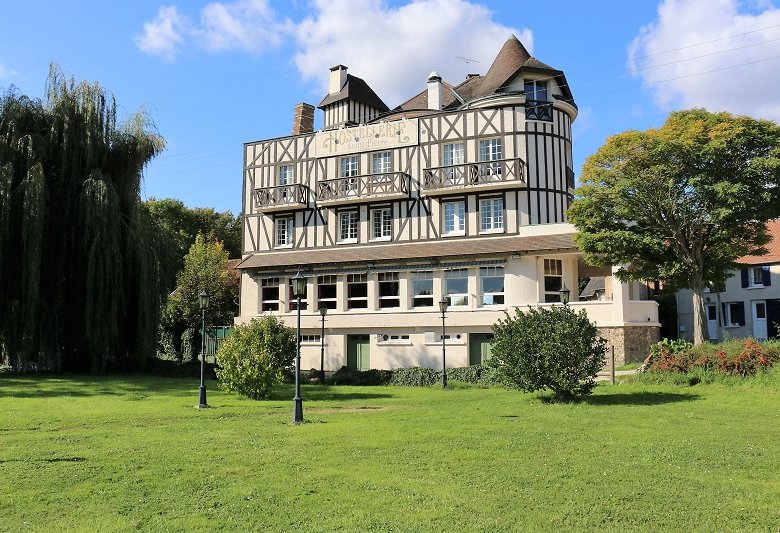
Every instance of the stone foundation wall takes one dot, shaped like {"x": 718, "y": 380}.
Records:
{"x": 632, "y": 343}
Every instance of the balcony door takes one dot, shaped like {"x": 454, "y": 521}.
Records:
{"x": 712, "y": 321}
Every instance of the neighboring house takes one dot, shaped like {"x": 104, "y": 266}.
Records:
{"x": 460, "y": 193}
{"x": 749, "y": 306}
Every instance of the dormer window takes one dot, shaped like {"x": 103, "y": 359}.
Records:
{"x": 536, "y": 90}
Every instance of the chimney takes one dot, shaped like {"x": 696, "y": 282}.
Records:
{"x": 303, "y": 122}
{"x": 434, "y": 91}
{"x": 338, "y": 77}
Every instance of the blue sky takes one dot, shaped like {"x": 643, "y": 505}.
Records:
{"x": 214, "y": 75}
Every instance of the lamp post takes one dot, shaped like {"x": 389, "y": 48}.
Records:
{"x": 323, "y": 312}
{"x": 443, "y": 308}
{"x": 203, "y": 299}
{"x": 299, "y": 291}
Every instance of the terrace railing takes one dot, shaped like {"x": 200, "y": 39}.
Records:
{"x": 366, "y": 186}
{"x": 295, "y": 195}
{"x": 499, "y": 171}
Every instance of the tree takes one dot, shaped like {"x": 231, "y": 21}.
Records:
{"x": 205, "y": 267}
{"x": 682, "y": 202}
{"x": 253, "y": 357}
{"x": 548, "y": 348}
{"x": 80, "y": 267}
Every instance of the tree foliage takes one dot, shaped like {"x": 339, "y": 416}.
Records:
{"x": 548, "y": 348}
{"x": 253, "y": 356}
{"x": 205, "y": 267}
{"x": 80, "y": 267}
{"x": 183, "y": 224}
{"x": 682, "y": 202}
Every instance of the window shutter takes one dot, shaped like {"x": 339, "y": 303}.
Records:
{"x": 740, "y": 318}
{"x": 723, "y": 314}
{"x": 767, "y": 280}
{"x": 744, "y": 273}
{"x": 773, "y": 317}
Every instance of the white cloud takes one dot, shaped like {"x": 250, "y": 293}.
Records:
{"x": 395, "y": 48}
{"x": 6, "y": 73}
{"x": 246, "y": 25}
{"x": 164, "y": 34}
{"x": 745, "y": 37}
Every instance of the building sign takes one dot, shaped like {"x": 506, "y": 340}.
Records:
{"x": 367, "y": 138}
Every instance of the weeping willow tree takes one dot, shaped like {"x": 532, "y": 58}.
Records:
{"x": 81, "y": 265}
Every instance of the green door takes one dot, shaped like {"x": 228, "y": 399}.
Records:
{"x": 479, "y": 348}
{"x": 357, "y": 352}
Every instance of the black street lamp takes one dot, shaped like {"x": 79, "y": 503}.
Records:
{"x": 203, "y": 299}
{"x": 299, "y": 291}
{"x": 564, "y": 292}
{"x": 323, "y": 312}
{"x": 443, "y": 308}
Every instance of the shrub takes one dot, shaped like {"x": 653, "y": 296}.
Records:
{"x": 349, "y": 376}
{"x": 474, "y": 375}
{"x": 548, "y": 348}
{"x": 735, "y": 357}
{"x": 415, "y": 377}
{"x": 254, "y": 356}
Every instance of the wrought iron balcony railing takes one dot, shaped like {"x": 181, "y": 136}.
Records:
{"x": 569, "y": 178}
{"x": 364, "y": 187}
{"x": 499, "y": 171}
{"x": 295, "y": 195}
{"x": 538, "y": 110}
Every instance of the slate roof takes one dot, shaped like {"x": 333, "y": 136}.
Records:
{"x": 773, "y": 247}
{"x": 439, "y": 249}
{"x": 358, "y": 90}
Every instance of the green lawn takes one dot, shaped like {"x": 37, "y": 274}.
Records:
{"x": 131, "y": 453}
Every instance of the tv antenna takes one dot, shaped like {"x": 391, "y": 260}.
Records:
{"x": 466, "y": 60}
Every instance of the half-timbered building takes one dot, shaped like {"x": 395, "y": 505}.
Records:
{"x": 460, "y": 193}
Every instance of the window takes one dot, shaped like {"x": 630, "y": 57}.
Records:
{"x": 490, "y": 150}
{"x": 269, "y": 294}
{"x": 759, "y": 276}
{"x": 357, "y": 291}
{"x": 285, "y": 231}
{"x": 454, "y": 217}
{"x": 326, "y": 292}
{"x": 311, "y": 338}
{"x": 293, "y": 303}
{"x": 381, "y": 223}
{"x": 348, "y": 226}
{"x": 456, "y": 286}
{"x": 422, "y": 289}
{"x": 285, "y": 174}
{"x": 734, "y": 314}
{"x": 491, "y": 212}
{"x": 388, "y": 290}
{"x": 381, "y": 163}
{"x": 536, "y": 90}
{"x": 349, "y": 166}
{"x": 492, "y": 285}
{"x": 553, "y": 280}
{"x": 453, "y": 155}
{"x": 392, "y": 338}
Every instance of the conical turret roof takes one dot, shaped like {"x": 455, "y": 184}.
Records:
{"x": 511, "y": 57}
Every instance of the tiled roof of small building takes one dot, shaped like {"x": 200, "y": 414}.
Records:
{"x": 773, "y": 247}
{"x": 420, "y": 101}
{"x": 445, "y": 248}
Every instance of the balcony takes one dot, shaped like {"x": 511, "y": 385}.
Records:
{"x": 370, "y": 187}
{"x": 497, "y": 174}
{"x": 282, "y": 197}
{"x": 538, "y": 110}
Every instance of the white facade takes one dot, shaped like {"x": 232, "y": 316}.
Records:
{"x": 460, "y": 195}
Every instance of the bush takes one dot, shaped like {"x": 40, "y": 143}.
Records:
{"x": 474, "y": 375}
{"x": 415, "y": 377}
{"x": 548, "y": 348}
{"x": 348, "y": 376}
{"x": 735, "y": 357}
{"x": 253, "y": 357}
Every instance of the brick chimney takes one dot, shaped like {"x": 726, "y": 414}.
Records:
{"x": 303, "y": 122}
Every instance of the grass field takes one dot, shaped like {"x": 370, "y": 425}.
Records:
{"x": 131, "y": 453}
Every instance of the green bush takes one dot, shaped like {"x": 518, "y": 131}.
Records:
{"x": 415, "y": 377}
{"x": 254, "y": 356}
{"x": 548, "y": 348}
{"x": 474, "y": 375}
{"x": 349, "y": 376}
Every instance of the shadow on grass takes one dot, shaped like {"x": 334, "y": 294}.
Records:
{"x": 325, "y": 393}
{"x": 629, "y": 398}
{"x": 131, "y": 386}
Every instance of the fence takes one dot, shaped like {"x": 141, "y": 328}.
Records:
{"x": 215, "y": 336}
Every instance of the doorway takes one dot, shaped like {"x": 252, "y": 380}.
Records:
{"x": 479, "y": 348}
{"x": 358, "y": 357}
{"x": 712, "y": 322}
{"x": 759, "y": 320}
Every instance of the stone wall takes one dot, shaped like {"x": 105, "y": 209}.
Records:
{"x": 632, "y": 343}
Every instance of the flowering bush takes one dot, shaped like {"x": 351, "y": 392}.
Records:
{"x": 737, "y": 357}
